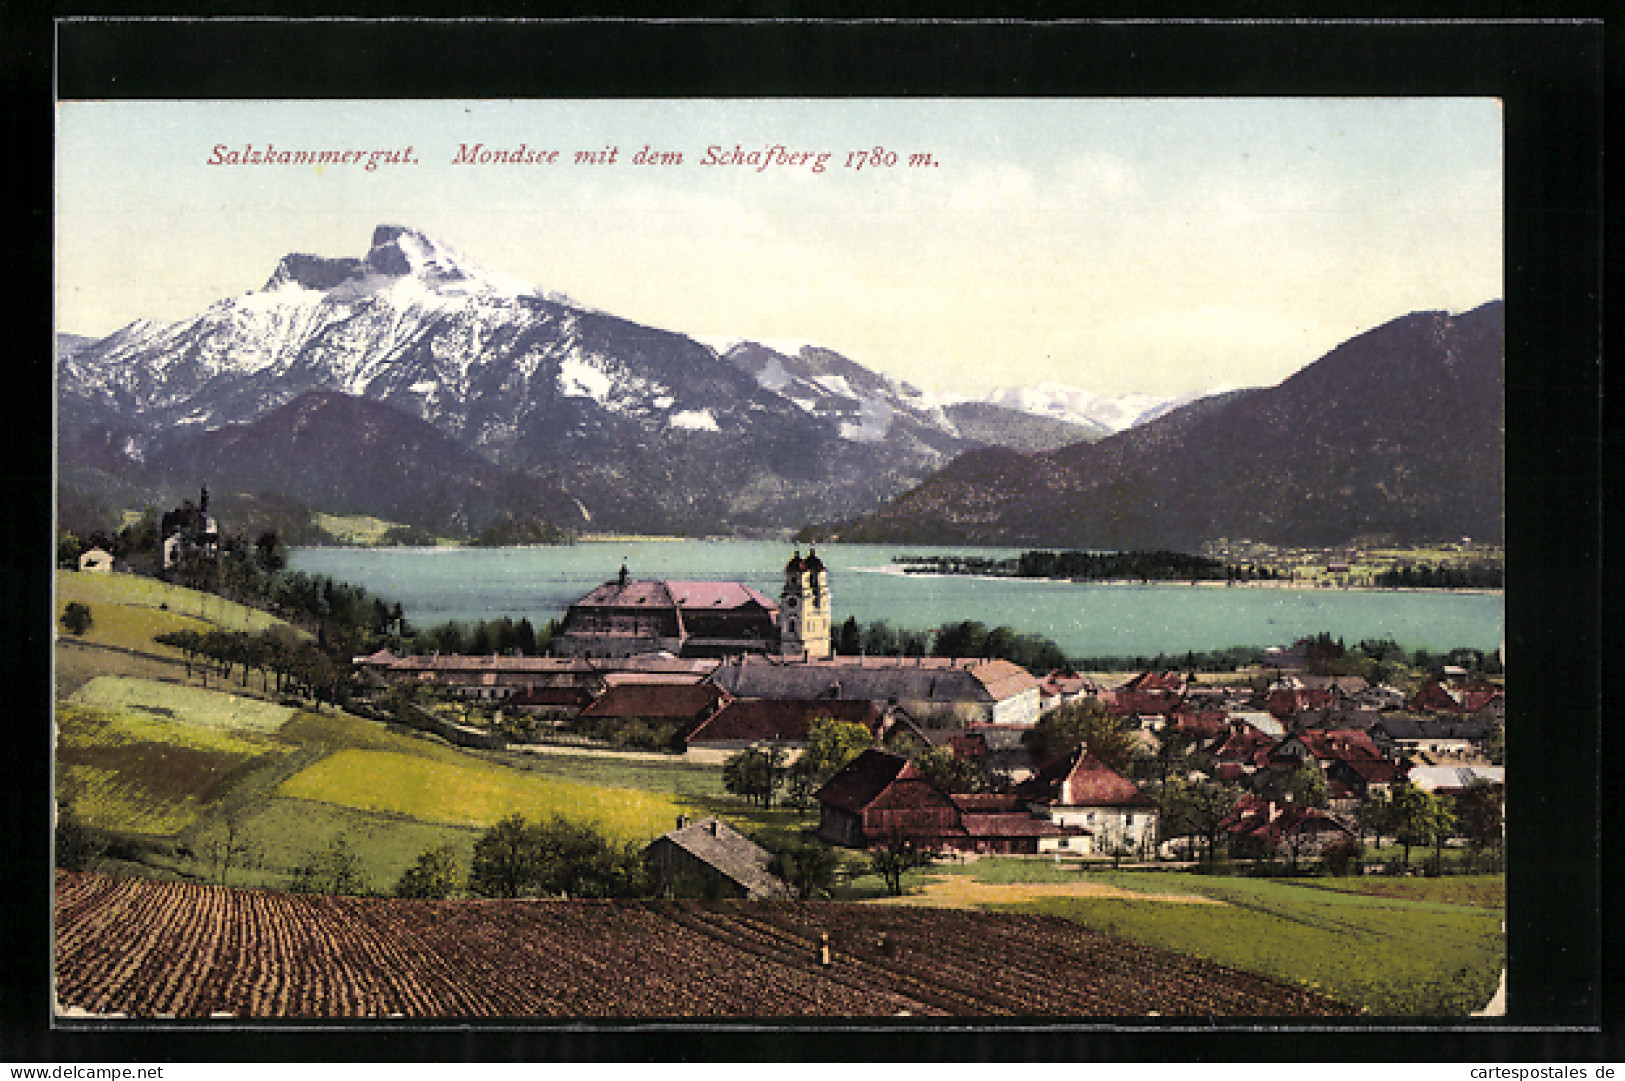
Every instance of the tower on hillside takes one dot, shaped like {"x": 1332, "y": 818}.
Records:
{"x": 804, "y": 607}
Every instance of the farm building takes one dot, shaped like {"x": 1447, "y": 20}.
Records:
{"x": 935, "y": 691}
{"x": 709, "y": 858}
{"x": 97, "y": 561}
{"x": 879, "y": 796}
{"x": 497, "y": 677}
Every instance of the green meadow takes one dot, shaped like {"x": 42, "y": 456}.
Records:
{"x": 1396, "y": 947}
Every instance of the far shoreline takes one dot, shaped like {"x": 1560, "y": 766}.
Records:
{"x": 1302, "y": 587}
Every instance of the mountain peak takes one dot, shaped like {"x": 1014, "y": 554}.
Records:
{"x": 398, "y": 252}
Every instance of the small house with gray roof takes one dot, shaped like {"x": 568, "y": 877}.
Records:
{"x": 709, "y": 858}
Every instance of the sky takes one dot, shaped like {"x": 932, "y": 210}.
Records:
{"x": 1158, "y": 246}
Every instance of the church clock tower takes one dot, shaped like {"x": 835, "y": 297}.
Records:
{"x": 804, "y": 607}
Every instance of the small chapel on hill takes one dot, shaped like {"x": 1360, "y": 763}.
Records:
{"x": 627, "y": 616}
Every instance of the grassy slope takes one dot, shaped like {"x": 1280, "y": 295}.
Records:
{"x": 1395, "y": 947}
{"x": 172, "y": 762}
{"x": 128, "y": 611}
{"x": 472, "y": 793}
{"x": 139, "y": 604}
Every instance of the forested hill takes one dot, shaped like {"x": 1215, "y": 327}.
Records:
{"x": 1398, "y": 431}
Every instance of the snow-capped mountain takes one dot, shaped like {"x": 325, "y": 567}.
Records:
{"x": 1088, "y": 409}
{"x": 648, "y": 428}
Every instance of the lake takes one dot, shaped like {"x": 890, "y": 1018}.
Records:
{"x": 1122, "y": 619}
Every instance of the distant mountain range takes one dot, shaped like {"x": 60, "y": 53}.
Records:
{"x": 1398, "y": 431}
{"x": 541, "y": 405}
{"x": 1100, "y": 413}
{"x": 415, "y": 385}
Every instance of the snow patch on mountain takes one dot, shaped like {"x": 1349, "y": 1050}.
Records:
{"x": 695, "y": 420}
{"x": 578, "y": 379}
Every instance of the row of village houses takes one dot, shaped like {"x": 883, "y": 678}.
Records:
{"x": 1364, "y": 739}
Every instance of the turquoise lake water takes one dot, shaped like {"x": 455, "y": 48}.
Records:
{"x": 438, "y": 584}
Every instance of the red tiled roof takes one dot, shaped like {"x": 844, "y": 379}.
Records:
{"x": 710, "y": 596}
{"x": 1080, "y": 780}
{"x": 1155, "y": 681}
{"x": 673, "y": 701}
{"x": 1243, "y": 743}
{"x": 780, "y": 719}
{"x": 1374, "y": 770}
{"x": 988, "y": 802}
{"x": 1344, "y": 743}
{"x": 573, "y": 697}
{"x": 1015, "y": 824}
{"x": 1209, "y": 724}
{"x": 1265, "y": 820}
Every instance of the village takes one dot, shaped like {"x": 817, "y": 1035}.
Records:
{"x": 680, "y": 742}
{"x": 1275, "y": 763}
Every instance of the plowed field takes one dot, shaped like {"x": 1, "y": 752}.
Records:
{"x": 141, "y": 948}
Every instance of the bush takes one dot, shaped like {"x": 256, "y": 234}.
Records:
{"x": 556, "y": 858}
{"x": 1339, "y": 856}
{"x": 434, "y": 876}
{"x": 76, "y": 619}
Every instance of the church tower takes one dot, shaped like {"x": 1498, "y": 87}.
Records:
{"x": 804, "y": 607}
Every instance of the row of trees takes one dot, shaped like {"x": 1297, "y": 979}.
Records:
{"x": 1161, "y": 565}
{"x": 1427, "y": 576}
{"x": 487, "y": 636}
{"x": 297, "y": 664}
{"x": 967, "y": 638}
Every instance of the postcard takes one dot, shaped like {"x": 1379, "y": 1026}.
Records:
{"x": 781, "y": 560}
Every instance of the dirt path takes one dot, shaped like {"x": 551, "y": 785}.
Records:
{"x": 963, "y": 891}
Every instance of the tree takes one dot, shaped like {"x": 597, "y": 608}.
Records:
{"x": 1339, "y": 855}
{"x": 1416, "y": 818}
{"x": 756, "y": 773}
{"x": 880, "y": 639}
{"x": 76, "y": 619}
{"x": 1081, "y": 724}
{"x": 1479, "y": 816}
{"x": 1205, "y": 807}
{"x": 336, "y": 871}
{"x": 78, "y": 848}
{"x": 504, "y": 860}
{"x": 68, "y": 550}
{"x": 434, "y": 876}
{"x": 269, "y": 552}
{"x": 557, "y": 858}
{"x": 1376, "y": 816}
{"x": 849, "y": 639}
{"x": 807, "y": 867}
{"x": 1307, "y": 785}
{"x": 831, "y": 744}
{"x": 231, "y": 848}
{"x": 950, "y": 773}
{"x": 574, "y": 859}
{"x": 895, "y": 857}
